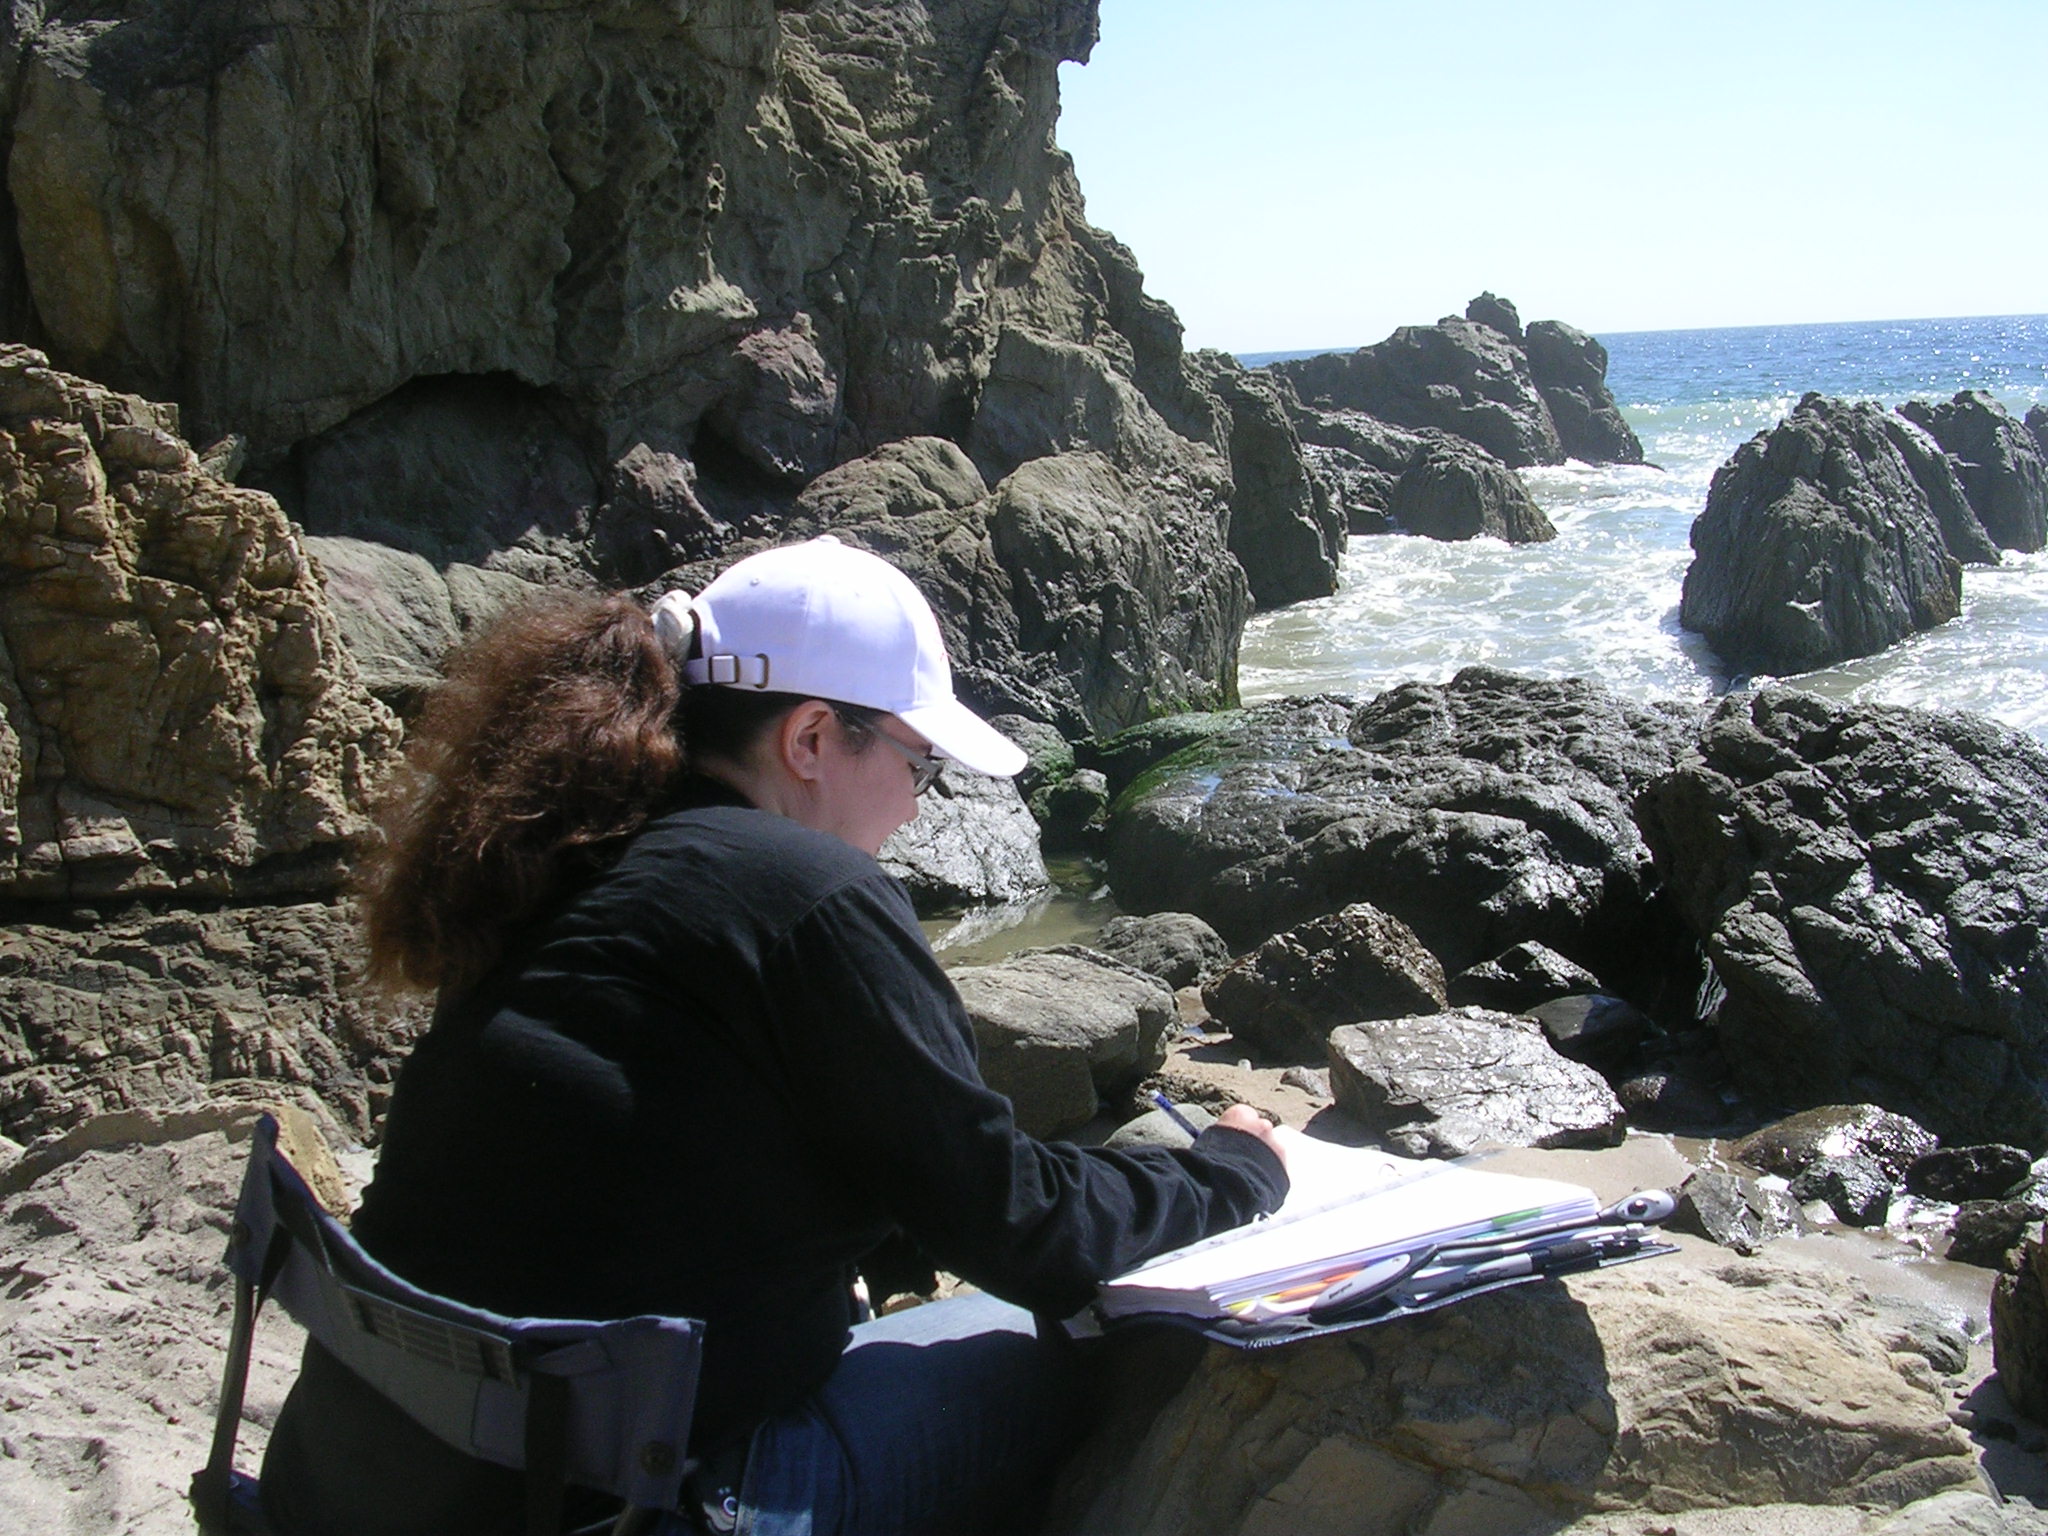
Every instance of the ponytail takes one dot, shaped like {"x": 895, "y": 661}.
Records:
{"x": 550, "y": 742}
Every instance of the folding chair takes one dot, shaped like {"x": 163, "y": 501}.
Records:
{"x": 599, "y": 1405}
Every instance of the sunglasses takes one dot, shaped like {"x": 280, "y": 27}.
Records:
{"x": 924, "y": 766}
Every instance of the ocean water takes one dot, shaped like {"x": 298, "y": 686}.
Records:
{"x": 1601, "y": 600}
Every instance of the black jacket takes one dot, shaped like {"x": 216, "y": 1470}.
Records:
{"x": 723, "y": 1073}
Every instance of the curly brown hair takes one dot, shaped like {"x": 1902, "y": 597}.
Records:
{"x": 550, "y": 742}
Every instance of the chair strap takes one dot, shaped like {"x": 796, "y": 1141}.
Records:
{"x": 547, "y": 1452}
{"x": 212, "y": 1491}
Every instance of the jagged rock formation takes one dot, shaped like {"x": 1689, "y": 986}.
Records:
{"x": 1869, "y": 884}
{"x": 1820, "y": 542}
{"x": 587, "y": 293}
{"x": 2003, "y": 469}
{"x": 1570, "y": 370}
{"x": 1534, "y": 396}
{"x": 151, "y": 1009}
{"x": 1488, "y": 811}
{"x": 178, "y": 714}
{"x": 1452, "y": 490}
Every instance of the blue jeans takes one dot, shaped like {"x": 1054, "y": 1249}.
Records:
{"x": 945, "y": 1419}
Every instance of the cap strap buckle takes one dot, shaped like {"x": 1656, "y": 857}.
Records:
{"x": 727, "y": 670}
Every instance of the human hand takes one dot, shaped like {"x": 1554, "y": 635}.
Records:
{"x": 1242, "y": 1117}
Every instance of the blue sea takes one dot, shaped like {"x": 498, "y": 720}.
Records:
{"x": 1601, "y": 601}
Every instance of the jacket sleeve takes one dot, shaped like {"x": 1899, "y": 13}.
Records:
{"x": 880, "y": 1053}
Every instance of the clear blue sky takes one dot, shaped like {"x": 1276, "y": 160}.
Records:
{"x": 1312, "y": 173}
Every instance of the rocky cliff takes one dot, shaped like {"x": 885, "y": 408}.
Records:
{"x": 585, "y": 291}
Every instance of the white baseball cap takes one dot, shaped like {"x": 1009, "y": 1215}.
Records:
{"x": 828, "y": 621}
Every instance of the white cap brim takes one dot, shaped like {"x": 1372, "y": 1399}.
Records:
{"x": 959, "y": 733}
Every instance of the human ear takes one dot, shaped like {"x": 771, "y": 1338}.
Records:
{"x": 801, "y": 739}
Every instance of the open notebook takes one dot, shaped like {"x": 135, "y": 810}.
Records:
{"x": 1346, "y": 1207}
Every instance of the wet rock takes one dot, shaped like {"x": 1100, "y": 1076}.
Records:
{"x": 1519, "y": 978}
{"x": 148, "y": 1010}
{"x": 178, "y": 714}
{"x": 1989, "y": 1233}
{"x": 1072, "y": 813}
{"x": 1483, "y": 813}
{"x": 1672, "y": 1097}
{"x": 1643, "y": 1392}
{"x": 1956, "y": 1174}
{"x": 1570, "y": 370}
{"x": 1454, "y": 490}
{"x": 1288, "y": 994}
{"x": 1177, "y": 947}
{"x": 1735, "y": 1212}
{"x": 1490, "y": 309}
{"x": 1061, "y": 1028}
{"x": 972, "y": 842}
{"x": 1156, "y": 1128}
{"x": 1789, "y": 1147}
{"x": 1603, "y": 1032}
{"x": 2003, "y": 469}
{"x": 1817, "y": 544}
{"x": 1459, "y": 377}
{"x": 1447, "y": 1084}
{"x": 1857, "y": 1189}
{"x": 1289, "y": 542}
{"x": 1357, "y": 493}
{"x": 1866, "y": 881}
{"x": 1049, "y": 758}
{"x": 2019, "y": 1330}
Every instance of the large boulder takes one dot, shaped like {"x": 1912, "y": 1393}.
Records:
{"x": 178, "y": 714}
{"x": 1817, "y": 544}
{"x": 1288, "y": 539}
{"x": 1570, "y": 370}
{"x": 1868, "y": 883}
{"x": 1356, "y": 492}
{"x": 1454, "y": 490}
{"x": 1464, "y": 378}
{"x": 1288, "y": 994}
{"x": 1483, "y": 812}
{"x": 1449, "y": 1083}
{"x": 1060, "y": 1029}
{"x": 971, "y": 842}
{"x": 1177, "y": 947}
{"x": 2019, "y": 1329}
{"x": 1738, "y": 1388}
{"x": 150, "y": 1009}
{"x": 2003, "y": 469}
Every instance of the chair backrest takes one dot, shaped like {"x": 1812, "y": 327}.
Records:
{"x": 602, "y": 1405}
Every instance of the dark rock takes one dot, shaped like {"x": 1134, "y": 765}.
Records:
{"x": 1519, "y": 978}
{"x": 1989, "y": 1233}
{"x": 1072, "y": 813}
{"x": 1868, "y": 883}
{"x": 2002, "y": 467}
{"x": 1935, "y": 473}
{"x": 1288, "y": 994}
{"x": 1490, "y": 309}
{"x": 1129, "y": 755}
{"x": 1938, "y": 1341}
{"x": 1956, "y": 1174}
{"x": 1484, "y": 812}
{"x": 1049, "y": 758}
{"x": 1356, "y": 491}
{"x": 1453, "y": 490}
{"x": 1288, "y": 541}
{"x": 1177, "y": 947}
{"x": 1462, "y": 378}
{"x": 780, "y": 409}
{"x": 1668, "y": 1097}
{"x": 1379, "y": 445}
{"x": 971, "y": 842}
{"x": 1603, "y": 1032}
{"x": 1857, "y": 1189}
{"x": 1059, "y": 1029}
{"x": 1450, "y": 1083}
{"x": 1817, "y": 544}
{"x": 1793, "y": 1144}
{"x": 150, "y": 1010}
{"x": 1735, "y": 1212}
{"x": 1570, "y": 370}
{"x": 2019, "y": 1330}
{"x": 2037, "y": 425}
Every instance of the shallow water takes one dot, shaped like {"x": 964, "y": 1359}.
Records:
{"x": 1601, "y": 600}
